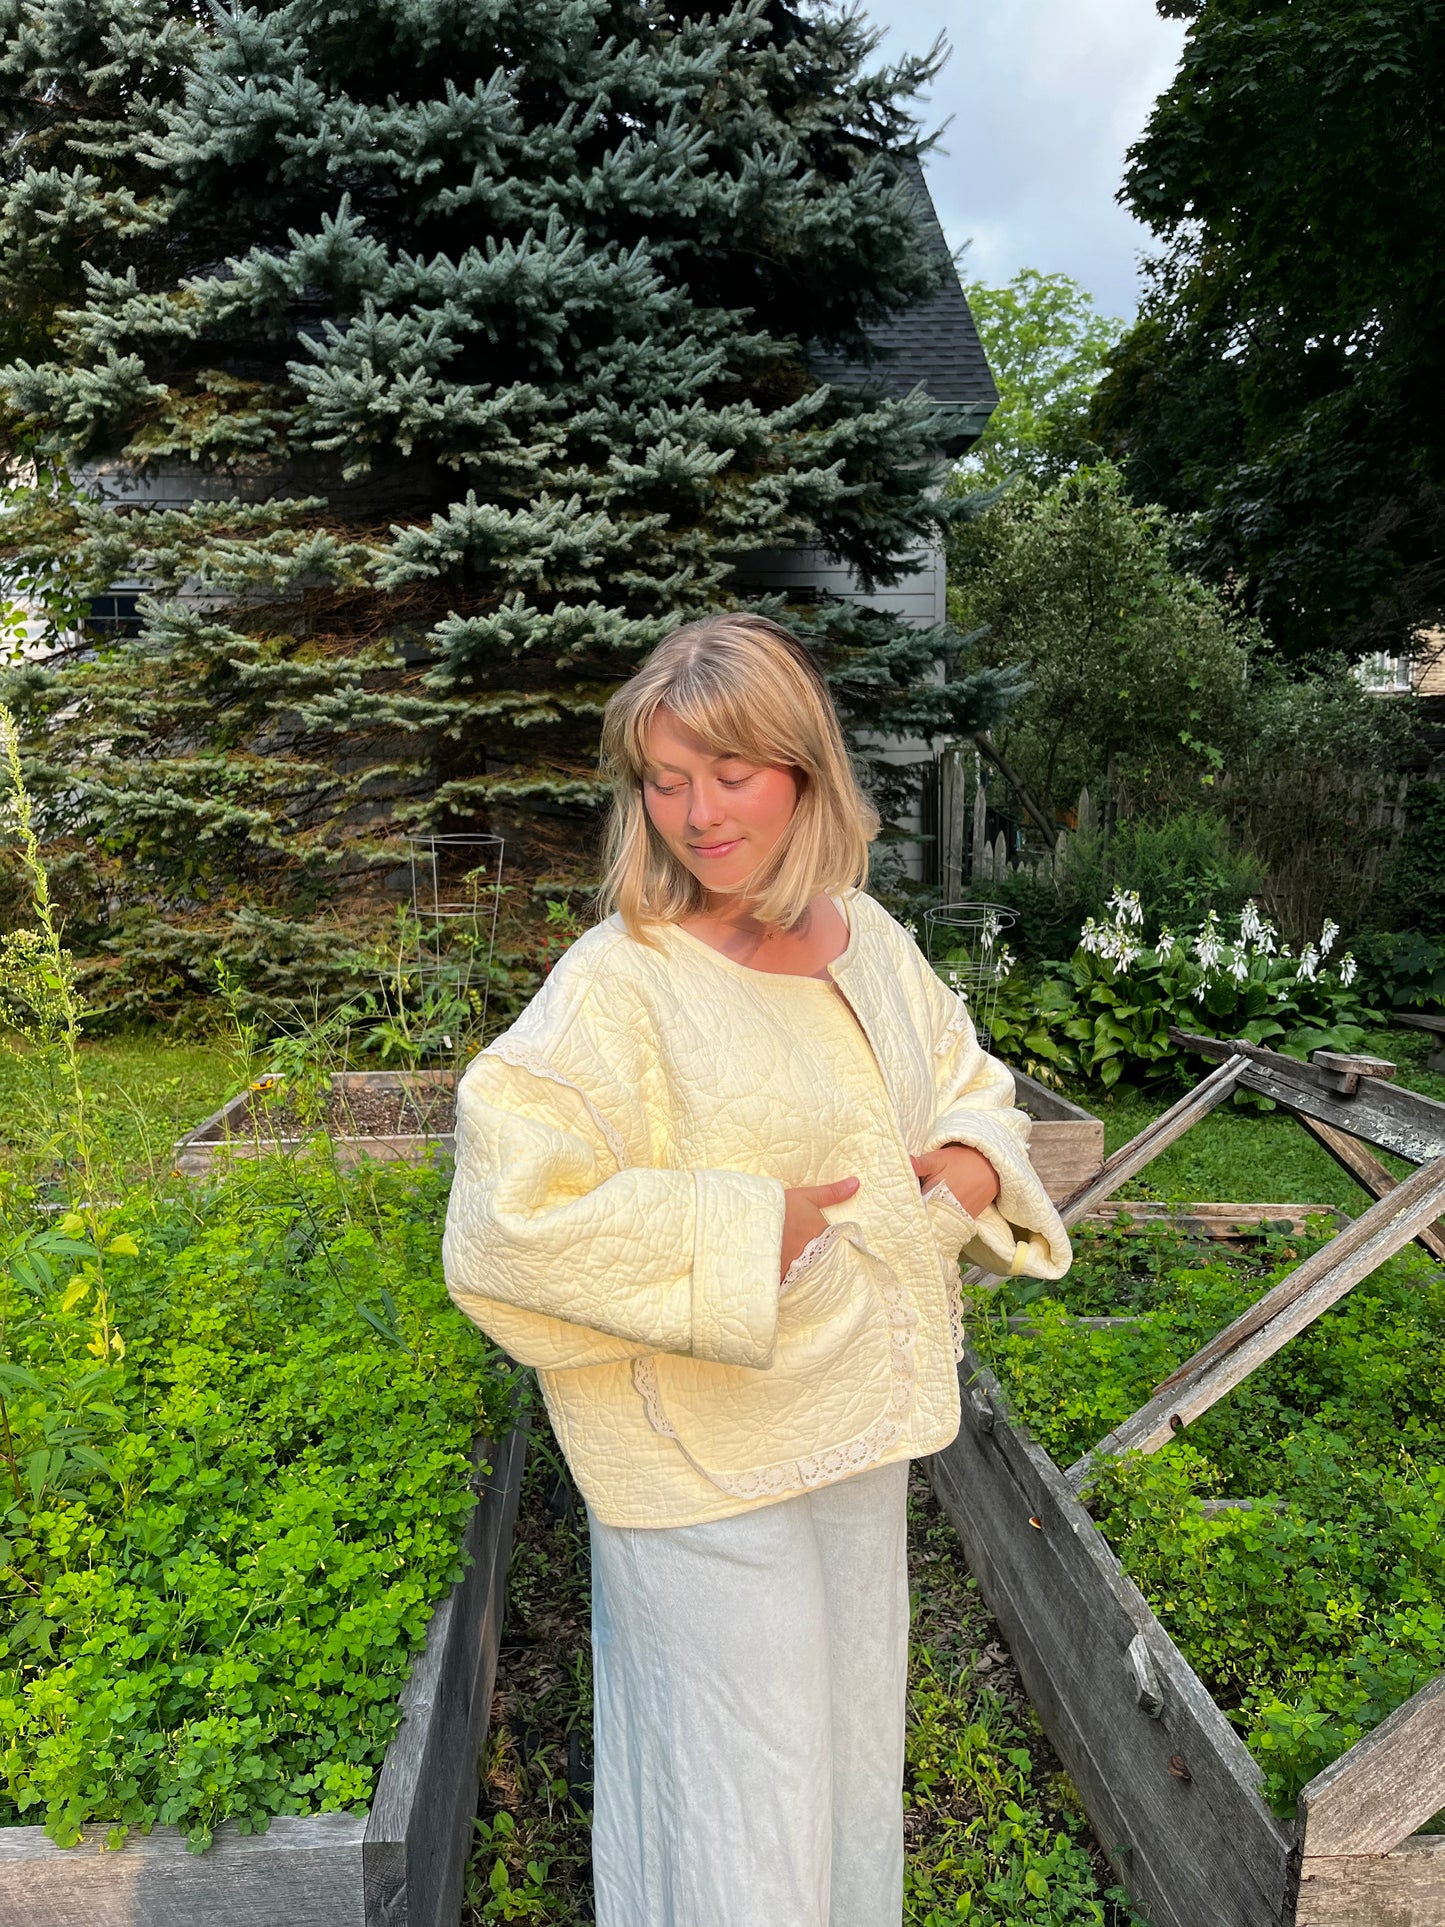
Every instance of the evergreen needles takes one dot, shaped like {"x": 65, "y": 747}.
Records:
{"x": 416, "y": 365}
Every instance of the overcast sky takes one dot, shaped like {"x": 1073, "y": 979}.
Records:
{"x": 1045, "y": 95}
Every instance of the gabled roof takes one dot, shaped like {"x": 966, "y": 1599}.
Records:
{"x": 934, "y": 343}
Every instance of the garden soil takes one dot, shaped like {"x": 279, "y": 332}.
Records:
{"x": 531, "y": 1855}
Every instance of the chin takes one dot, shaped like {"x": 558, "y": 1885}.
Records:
{"x": 729, "y": 875}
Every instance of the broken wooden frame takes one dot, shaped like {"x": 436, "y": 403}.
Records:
{"x": 1173, "y": 1793}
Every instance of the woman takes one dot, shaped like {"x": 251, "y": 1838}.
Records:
{"x": 714, "y": 1184}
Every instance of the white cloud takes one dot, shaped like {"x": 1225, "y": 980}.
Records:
{"x": 1043, "y": 98}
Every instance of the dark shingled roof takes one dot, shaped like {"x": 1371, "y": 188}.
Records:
{"x": 934, "y": 343}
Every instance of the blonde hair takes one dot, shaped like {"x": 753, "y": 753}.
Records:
{"x": 749, "y": 689}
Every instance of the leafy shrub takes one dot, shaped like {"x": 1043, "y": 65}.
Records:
{"x": 235, "y": 1488}
{"x": 1107, "y": 1013}
{"x": 1316, "y": 1613}
{"x": 1413, "y": 897}
{"x": 1403, "y": 969}
{"x": 1181, "y": 868}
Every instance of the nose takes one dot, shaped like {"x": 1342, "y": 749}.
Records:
{"x": 705, "y": 807}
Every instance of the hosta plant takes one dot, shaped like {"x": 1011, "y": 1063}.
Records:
{"x": 1107, "y": 1013}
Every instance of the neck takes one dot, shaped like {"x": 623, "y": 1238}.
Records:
{"x": 738, "y": 914}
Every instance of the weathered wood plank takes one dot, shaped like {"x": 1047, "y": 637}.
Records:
{"x": 1048, "y": 1106}
{"x": 1364, "y": 1240}
{"x": 1221, "y": 1508}
{"x": 1310, "y": 1289}
{"x": 1385, "y": 1115}
{"x": 302, "y": 1872}
{"x": 1169, "y": 1786}
{"x": 1221, "y": 1223}
{"x": 1387, "y": 1785}
{"x": 1066, "y": 1156}
{"x": 1023, "y": 1323}
{"x": 1342, "y": 1070}
{"x": 1131, "y": 1158}
{"x": 1371, "y": 1176}
{"x": 415, "y": 1852}
{"x": 1405, "y": 1888}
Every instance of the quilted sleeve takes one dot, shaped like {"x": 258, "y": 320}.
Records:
{"x": 1021, "y": 1232}
{"x": 567, "y": 1257}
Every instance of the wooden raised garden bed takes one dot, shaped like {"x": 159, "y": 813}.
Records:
{"x": 408, "y": 1115}
{"x": 1066, "y": 1144}
{"x": 401, "y": 1864}
{"x": 1172, "y": 1791}
{"x": 393, "y": 1116}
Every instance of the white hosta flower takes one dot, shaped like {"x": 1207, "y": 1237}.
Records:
{"x": 1208, "y": 949}
{"x": 1349, "y": 969}
{"x": 1328, "y": 936}
{"x": 1166, "y": 946}
{"x": 1004, "y": 962}
{"x": 1126, "y": 951}
{"x": 1309, "y": 964}
{"x": 1126, "y": 907}
{"x": 992, "y": 924}
{"x": 1236, "y": 962}
{"x": 1257, "y": 930}
{"x": 911, "y": 928}
{"x": 1091, "y": 937}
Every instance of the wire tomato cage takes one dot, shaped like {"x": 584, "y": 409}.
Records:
{"x": 456, "y": 893}
{"x": 966, "y": 945}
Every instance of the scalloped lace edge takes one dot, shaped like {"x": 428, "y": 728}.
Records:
{"x": 527, "y": 1059}
{"x": 953, "y": 1287}
{"x": 812, "y": 1251}
{"x": 788, "y": 1476}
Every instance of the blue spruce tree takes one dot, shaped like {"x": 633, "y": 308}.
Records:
{"x": 421, "y": 363}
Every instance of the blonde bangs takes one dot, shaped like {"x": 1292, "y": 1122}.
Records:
{"x": 748, "y": 688}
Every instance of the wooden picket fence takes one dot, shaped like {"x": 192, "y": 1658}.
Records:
{"x": 1325, "y": 838}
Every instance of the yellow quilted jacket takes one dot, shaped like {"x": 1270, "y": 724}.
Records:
{"x": 616, "y": 1216}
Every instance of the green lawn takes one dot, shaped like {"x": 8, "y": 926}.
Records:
{"x": 144, "y": 1090}
{"x": 1248, "y": 1156}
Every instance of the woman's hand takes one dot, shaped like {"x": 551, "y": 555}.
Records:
{"x": 967, "y": 1173}
{"x": 803, "y": 1218}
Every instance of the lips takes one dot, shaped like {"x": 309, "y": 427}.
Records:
{"x": 715, "y": 849}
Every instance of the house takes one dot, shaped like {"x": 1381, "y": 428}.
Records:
{"x": 935, "y": 347}
{"x": 1421, "y": 668}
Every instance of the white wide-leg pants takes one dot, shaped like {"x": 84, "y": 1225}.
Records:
{"x": 750, "y": 1679}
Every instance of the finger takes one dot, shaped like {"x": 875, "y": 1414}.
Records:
{"x": 830, "y": 1193}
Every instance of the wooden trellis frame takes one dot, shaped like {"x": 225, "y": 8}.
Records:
{"x": 1169, "y": 1785}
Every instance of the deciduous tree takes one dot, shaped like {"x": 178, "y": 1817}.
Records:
{"x": 1286, "y": 373}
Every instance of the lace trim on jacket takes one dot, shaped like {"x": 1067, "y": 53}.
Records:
{"x": 511, "y": 1051}
{"x": 812, "y": 1251}
{"x": 953, "y": 1287}
{"x": 839, "y": 1461}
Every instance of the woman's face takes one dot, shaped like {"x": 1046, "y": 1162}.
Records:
{"x": 720, "y": 815}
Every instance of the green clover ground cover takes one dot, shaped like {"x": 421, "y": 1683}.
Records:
{"x": 223, "y": 1535}
{"x": 1315, "y": 1614}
